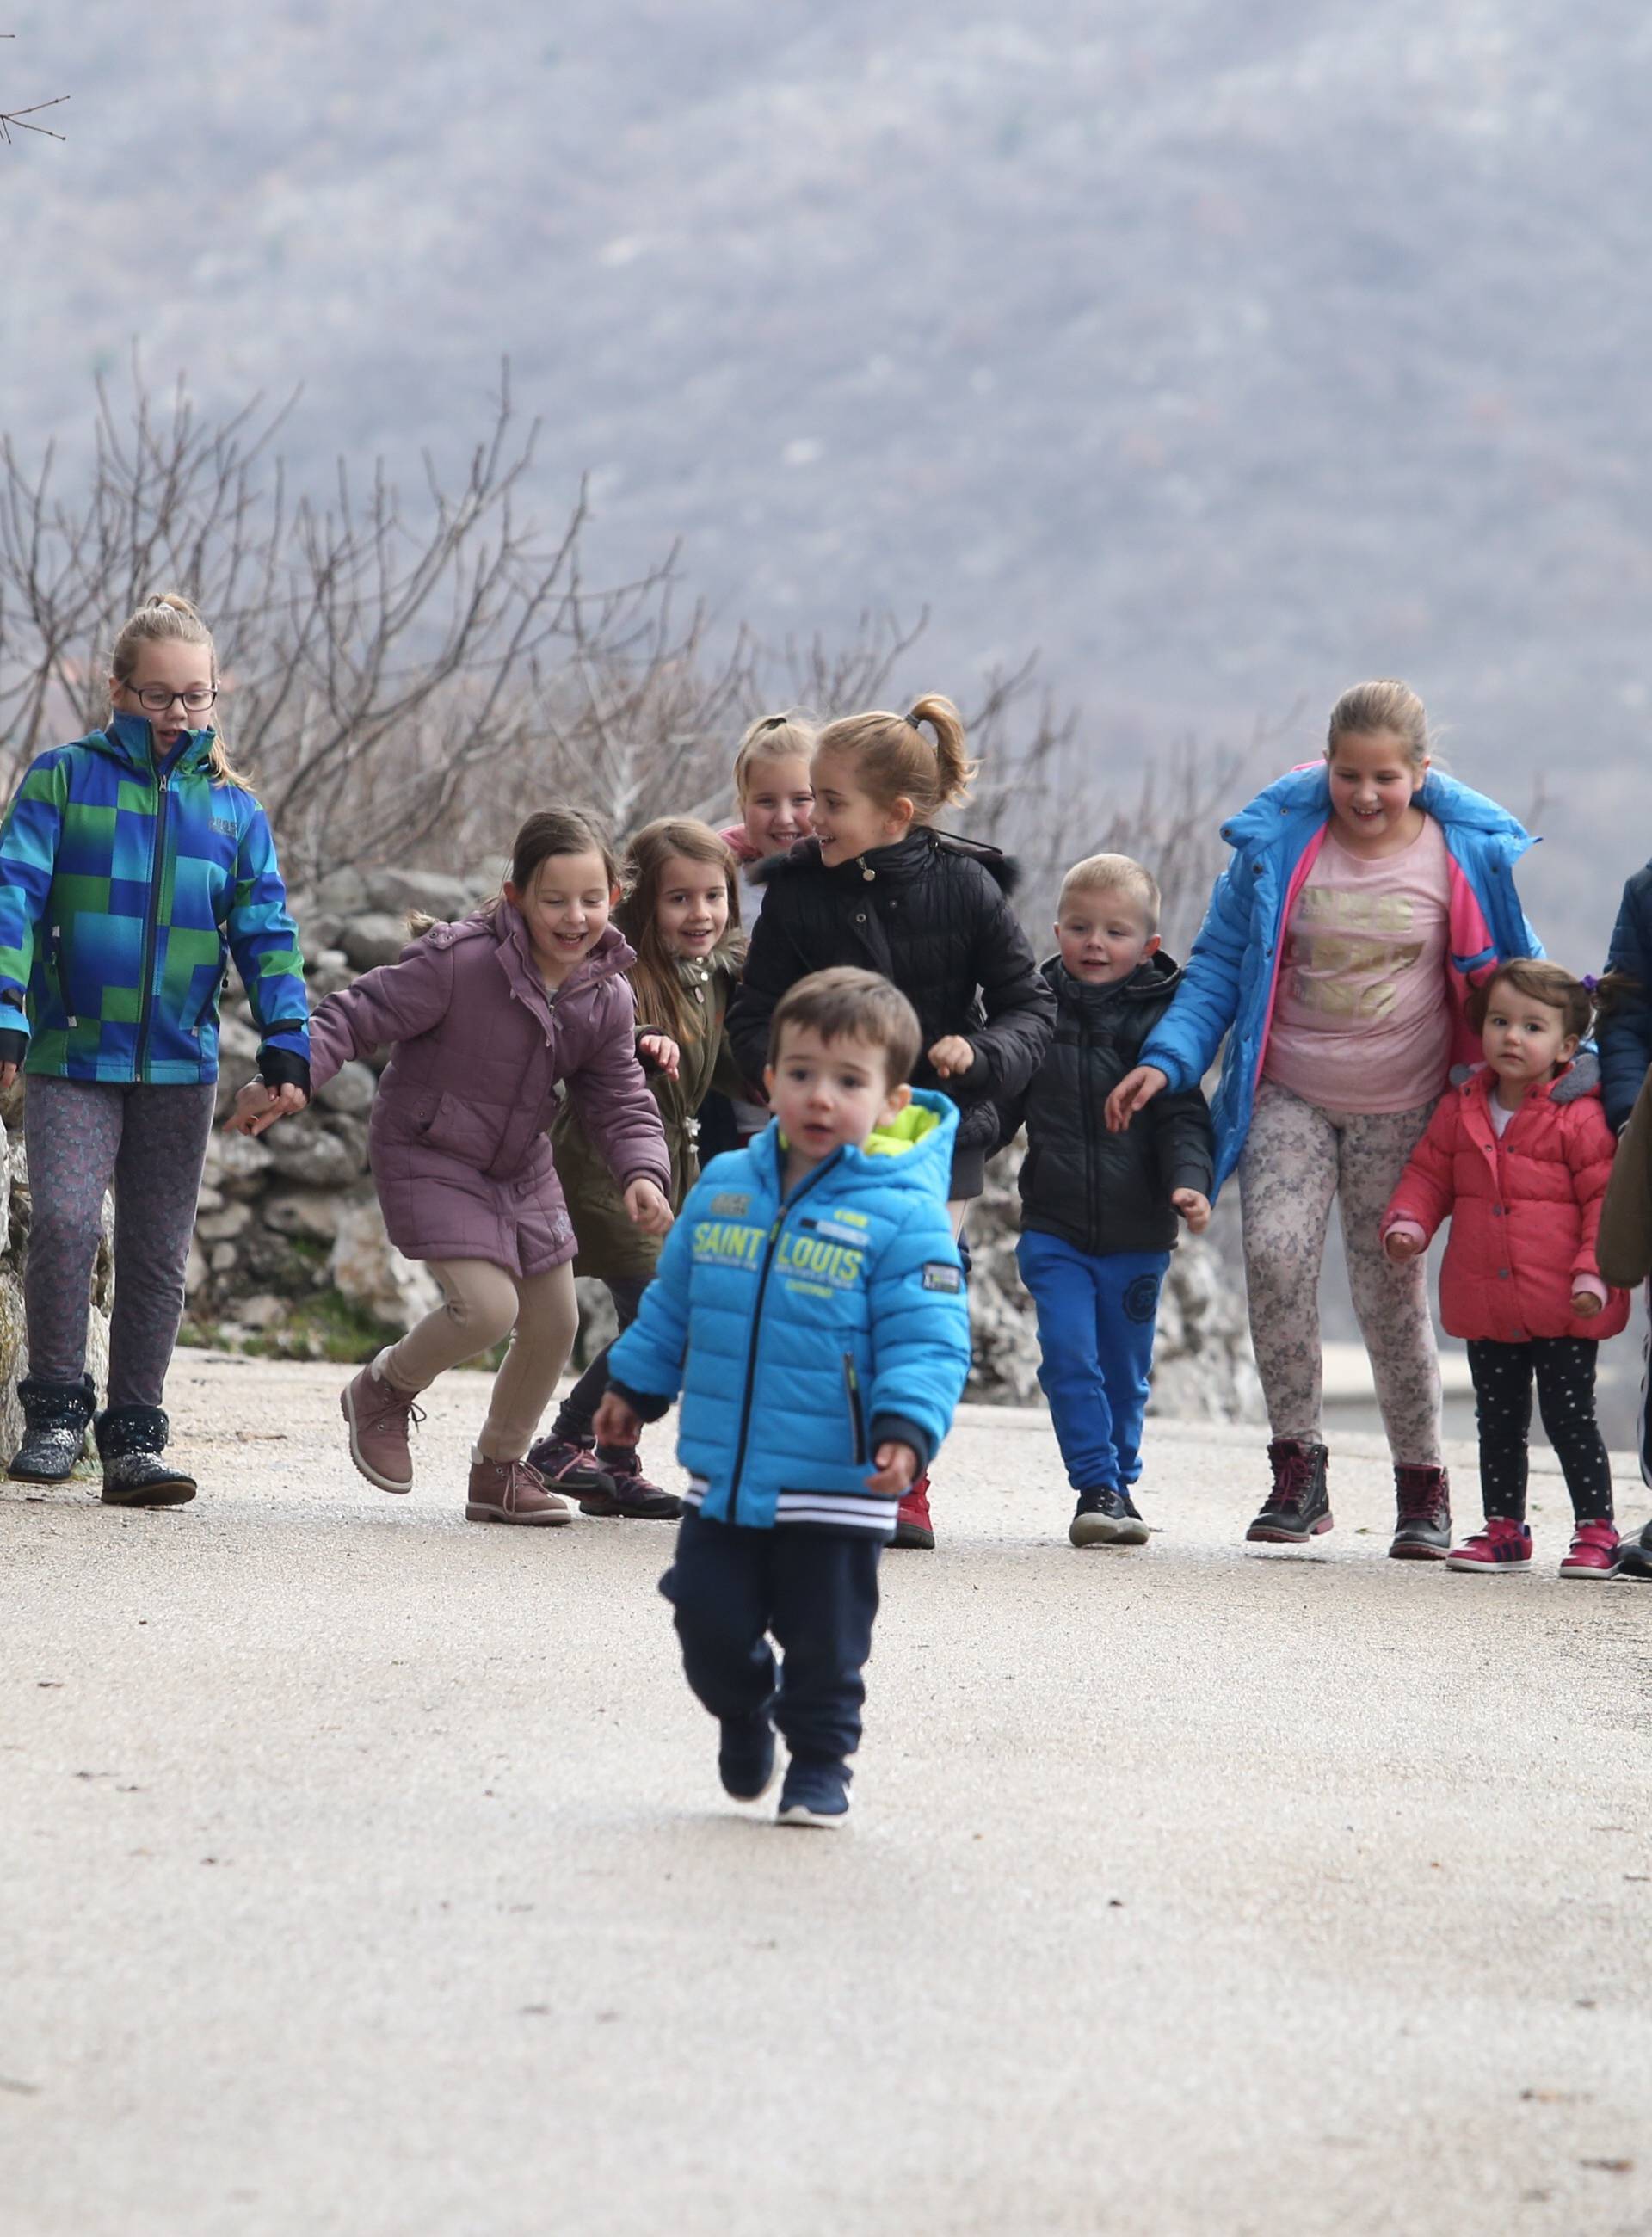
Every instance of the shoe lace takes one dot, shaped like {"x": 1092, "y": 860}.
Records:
{"x": 399, "y": 1407}
{"x": 1292, "y": 1474}
{"x": 1419, "y": 1493}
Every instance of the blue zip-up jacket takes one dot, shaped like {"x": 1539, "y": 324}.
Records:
{"x": 804, "y": 1333}
{"x": 1626, "y": 1030}
{"x": 124, "y": 892}
{"x": 1230, "y": 981}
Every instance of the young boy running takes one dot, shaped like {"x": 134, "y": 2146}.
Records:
{"x": 1099, "y": 1210}
{"x": 809, "y": 1307}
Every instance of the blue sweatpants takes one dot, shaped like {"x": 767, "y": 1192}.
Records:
{"x": 1095, "y": 1329}
{"x": 815, "y": 1590}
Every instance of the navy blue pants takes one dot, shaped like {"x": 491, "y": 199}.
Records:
{"x": 1095, "y": 1329}
{"x": 816, "y": 1590}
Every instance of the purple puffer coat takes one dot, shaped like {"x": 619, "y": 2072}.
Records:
{"x": 458, "y": 1133}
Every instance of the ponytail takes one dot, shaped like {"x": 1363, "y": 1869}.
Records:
{"x": 895, "y": 760}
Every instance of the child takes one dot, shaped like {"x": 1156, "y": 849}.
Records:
{"x": 487, "y": 1018}
{"x": 878, "y": 886}
{"x": 775, "y": 794}
{"x": 1518, "y": 1158}
{"x": 776, "y": 802}
{"x": 1366, "y": 894}
{"x": 809, "y": 1306}
{"x": 681, "y": 914}
{"x": 134, "y": 864}
{"x": 1099, "y": 1210}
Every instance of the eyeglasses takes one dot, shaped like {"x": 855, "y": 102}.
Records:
{"x": 156, "y": 699}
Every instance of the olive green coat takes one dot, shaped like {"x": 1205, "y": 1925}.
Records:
{"x": 610, "y": 1245}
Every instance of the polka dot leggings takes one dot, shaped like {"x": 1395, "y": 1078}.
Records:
{"x": 1564, "y": 1366}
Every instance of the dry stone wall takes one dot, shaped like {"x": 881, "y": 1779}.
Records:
{"x": 290, "y": 1255}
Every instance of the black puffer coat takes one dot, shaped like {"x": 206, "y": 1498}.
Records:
{"x": 932, "y": 914}
{"x": 1104, "y": 1193}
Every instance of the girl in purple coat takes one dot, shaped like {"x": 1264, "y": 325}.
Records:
{"x": 488, "y": 1018}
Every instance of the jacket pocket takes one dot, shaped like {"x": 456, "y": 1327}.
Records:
{"x": 466, "y": 1131}
{"x": 206, "y": 1006}
{"x": 57, "y": 969}
{"x": 856, "y": 1414}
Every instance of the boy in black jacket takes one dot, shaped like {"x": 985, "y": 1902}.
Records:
{"x": 1099, "y": 1210}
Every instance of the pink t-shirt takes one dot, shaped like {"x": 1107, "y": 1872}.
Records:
{"x": 1362, "y": 1020}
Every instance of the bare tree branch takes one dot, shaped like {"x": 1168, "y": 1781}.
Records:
{"x": 17, "y": 119}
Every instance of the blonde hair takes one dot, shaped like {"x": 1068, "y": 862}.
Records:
{"x": 655, "y": 981}
{"x": 1384, "y": 704}
{"x": 894, "y": 761}
{"x": 772, "y": 738}
{"x": 1108, "y": 874}
{"x": 168, "y": 618}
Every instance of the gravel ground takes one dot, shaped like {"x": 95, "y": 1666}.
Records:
{"x": 365, "y": 1871}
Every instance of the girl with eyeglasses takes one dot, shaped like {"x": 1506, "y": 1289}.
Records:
{"x": 135, "y": 865}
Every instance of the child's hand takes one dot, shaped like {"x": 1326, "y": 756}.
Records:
{"x": 662, "y": 1051}
{"x": 615, "y": 1423}
{"x": 1134, "y": 1092}
{"x": 1399, "y": 1246}
{"x": 648, "y": 1208}
{"x": 897, "y": 1465}
{"x": 258, "y": 1106}
{"x": 1585, "y": 1304}
{"x": 952, "y": 1053}
{"x": 1193, "y": 1208}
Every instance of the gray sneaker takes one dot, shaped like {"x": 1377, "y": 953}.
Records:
{"x": 1106, "y": 1517}
{"x": 379, "y": 1417}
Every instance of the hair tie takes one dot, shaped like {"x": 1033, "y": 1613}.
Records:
{"x": 917, "y": 721}
{"x": 776, "y": 721}
{"x": 1589, "y": 982}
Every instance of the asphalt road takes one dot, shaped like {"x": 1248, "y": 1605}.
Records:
{"x": 365, "y": 1871}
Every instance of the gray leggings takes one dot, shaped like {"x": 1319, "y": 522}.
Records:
{"x": 149, "y": 1143}
{"x": 1296, "y": 1157}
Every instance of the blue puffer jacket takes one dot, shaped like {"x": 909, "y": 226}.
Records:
{"x": 1626, "y": 1030}
{"x": 1231, "y": 979}
{"x": 802, "y": 1335}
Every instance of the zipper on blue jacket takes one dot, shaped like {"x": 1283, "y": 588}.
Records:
{"x": 152, "y": 920}
{"x": 857, "y": 1417}
{"x": 55, "y": 948}
{"x": 802, "y": 1190}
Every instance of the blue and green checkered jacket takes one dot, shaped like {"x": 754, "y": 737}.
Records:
{"x": 123, "y": 894}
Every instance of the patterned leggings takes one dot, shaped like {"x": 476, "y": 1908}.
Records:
{"x": 1296, "y": 1159}
{"x": 149, "y": 1144}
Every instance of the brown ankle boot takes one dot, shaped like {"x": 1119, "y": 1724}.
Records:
{"x": 511, "y": 1491}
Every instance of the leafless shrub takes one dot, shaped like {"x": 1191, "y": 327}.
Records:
{"x": 409, "y": 674}
{"x": 16, "y": 120}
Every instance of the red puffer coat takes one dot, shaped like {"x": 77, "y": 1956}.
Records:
{"x": 1524, "y": 1210}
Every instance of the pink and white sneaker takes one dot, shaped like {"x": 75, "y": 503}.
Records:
{"x": 1500, "y": 1544}
{"x": 1594, "y": 1550}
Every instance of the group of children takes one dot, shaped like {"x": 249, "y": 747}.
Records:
{"x": 875, "y": 1031}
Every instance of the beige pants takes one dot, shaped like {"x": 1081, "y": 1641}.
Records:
{"x": 484, "y": 1305}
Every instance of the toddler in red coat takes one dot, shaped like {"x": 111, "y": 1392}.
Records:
{"x": 1518, "y": 1158}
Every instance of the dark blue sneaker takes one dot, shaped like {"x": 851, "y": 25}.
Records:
{"x": 746, "y": 1757}
{"x": 815, "y": 1792}
{"x": 1106, "y": 1517}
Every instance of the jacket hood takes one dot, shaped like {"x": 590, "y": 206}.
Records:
{"x": 1582, "y": 1078}
{"x": 1304, "y": 794}
{"x": 1151, "y": 981}
{"x": 916, "y": 1152}
{"x": 736, "y": 839}
{"x": 130, "y": 739}
{"x": 503, "y": 925}
{"x": 905, "y": 856}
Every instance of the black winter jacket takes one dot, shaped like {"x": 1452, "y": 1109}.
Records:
{"x": 1625, "y": 1032}
{"x": 932, "y": 913}
{"x": 1105, "y": 1192}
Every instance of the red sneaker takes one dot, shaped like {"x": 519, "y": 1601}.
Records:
{"x": 1500, "y": 1545}
{"x": 1594, "y": 1551}
{"x": 912, "y": 1523}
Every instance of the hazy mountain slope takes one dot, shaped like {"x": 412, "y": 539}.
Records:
{"x": 1227, "y": 354}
